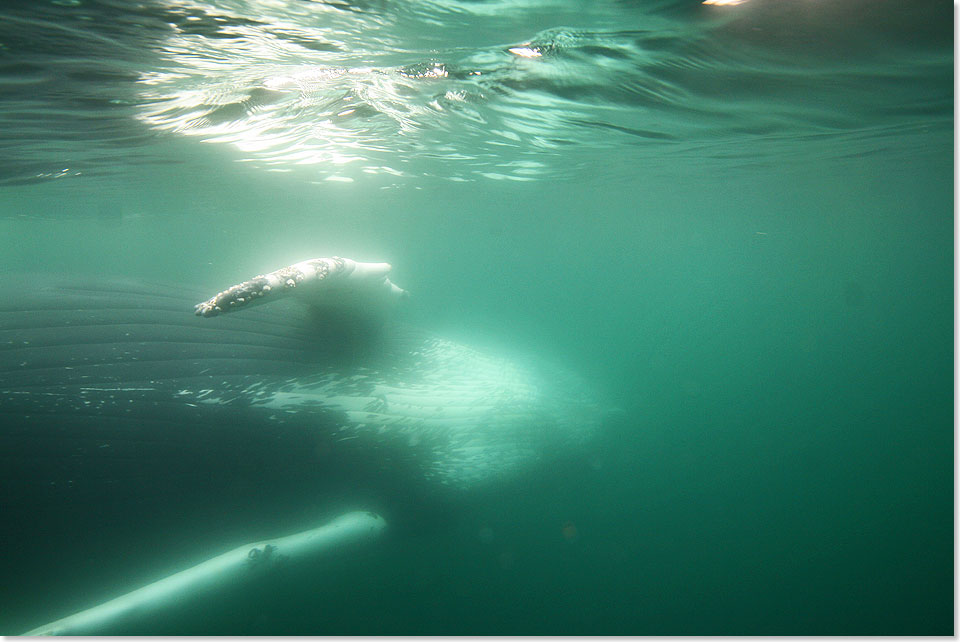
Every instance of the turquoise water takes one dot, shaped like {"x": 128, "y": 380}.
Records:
{"x": 734, "y": 221}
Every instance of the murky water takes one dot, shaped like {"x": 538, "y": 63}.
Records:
{"x": 734, "y": 222}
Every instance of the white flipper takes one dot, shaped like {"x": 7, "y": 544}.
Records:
{"x": 207, "y": 580}
{"x": 334, "y": 281}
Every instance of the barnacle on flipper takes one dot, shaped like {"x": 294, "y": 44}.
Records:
{"x": 258, "y": 557}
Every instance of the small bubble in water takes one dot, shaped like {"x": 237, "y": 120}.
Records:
{"x": 569, "y": 531}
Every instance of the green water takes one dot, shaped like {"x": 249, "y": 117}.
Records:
{"x": 773, "y": 328}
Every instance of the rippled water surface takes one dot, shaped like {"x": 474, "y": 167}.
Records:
{"x": 734, "y": 220}
{"x": 465, "y": 90}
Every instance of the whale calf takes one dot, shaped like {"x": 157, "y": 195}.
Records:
{"x": 130, "y": 413}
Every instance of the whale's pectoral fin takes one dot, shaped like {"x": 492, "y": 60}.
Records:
{"x": 229, "y": 575}
{"x": 325, "y": 282}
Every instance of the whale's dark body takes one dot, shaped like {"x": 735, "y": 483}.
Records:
{"x": 104, "y": 461}
{"x": 128, "y": 423}
{"x": 93, "y": 403}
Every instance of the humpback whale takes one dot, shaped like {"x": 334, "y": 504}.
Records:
{"x": 293, "y": 396}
